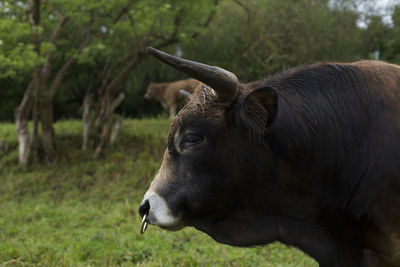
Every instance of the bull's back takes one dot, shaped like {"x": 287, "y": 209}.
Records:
{"x": 188, "y": 85}
{"x": 379, "y": 93}
{"x": 352, "y": 110}
{"x": 173, "y": 91}
{"x": 382, "y": 82}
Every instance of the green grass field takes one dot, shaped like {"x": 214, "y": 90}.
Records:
{"x": 83, "y": 212}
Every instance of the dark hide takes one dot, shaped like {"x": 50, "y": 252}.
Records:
{"x": 309, "y": 157}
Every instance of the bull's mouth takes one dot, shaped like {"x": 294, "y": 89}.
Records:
{"x": 145, "y": 223}
{"x": 173, "y": 227}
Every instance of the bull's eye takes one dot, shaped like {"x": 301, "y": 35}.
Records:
{"x": 191, "y": 139}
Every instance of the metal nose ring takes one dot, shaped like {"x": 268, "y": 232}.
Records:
{"x": 144, "y": 224}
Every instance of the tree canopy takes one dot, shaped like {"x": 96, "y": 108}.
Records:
{"x": 253, "y": 38}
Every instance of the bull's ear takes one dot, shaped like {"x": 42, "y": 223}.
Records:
{"x": 258, "y": 109}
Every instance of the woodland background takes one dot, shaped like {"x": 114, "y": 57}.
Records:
{"x": 86, "y": 58}
{"x": 79, "y": 144}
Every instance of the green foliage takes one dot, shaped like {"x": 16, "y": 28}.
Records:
{"x": 256, "y": 38}
{"x": 92, "y": 52}
{"x": 83, "y": 212}
{"x": 391, "y": 49}
{"x": 17, "y": 56}
{"x": 46, "y": 48}
{"x": 382, "y": 39}
{"x": 252, "y": 38}
{"x": 158, "y": 20}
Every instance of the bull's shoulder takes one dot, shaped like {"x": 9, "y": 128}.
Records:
{"x": 374, "y": 63}
{"x": 378, "y": 68}
{"x": 382, "y": 80}
{"x": 188, "y": 85}
{"x": 375, "y": 73}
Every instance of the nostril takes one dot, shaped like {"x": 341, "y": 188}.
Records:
{"x": 144, "y": 208}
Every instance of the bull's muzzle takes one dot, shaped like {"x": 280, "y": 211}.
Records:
{"x": 154, "y": 210}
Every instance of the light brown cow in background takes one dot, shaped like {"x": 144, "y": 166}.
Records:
{"x": 168, "y": 93}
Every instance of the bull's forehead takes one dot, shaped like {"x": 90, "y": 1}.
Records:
{"x": 203, "y": 105}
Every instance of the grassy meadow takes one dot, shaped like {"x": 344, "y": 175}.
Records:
{"x": 83, "y": 211}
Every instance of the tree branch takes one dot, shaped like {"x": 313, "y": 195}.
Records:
{"x": 25, "y": 107}
{"x": 246, "y": 9}
{"x": 140, "y": 55}
{"x": 129, "y": 56}
{"x": 131, "y": 20}
{"x": 45, "y": 72}
{"x": 125, "y": 71}
{"x": 58, "y": 13}
{"x": 107, "y": 62}
{"x": 207, "y": 22}
{"x": 123, "y": 11}
{"x": 67, "y": 65}
{"x": 36, "y": 12}
{"x": 115, "y": 103}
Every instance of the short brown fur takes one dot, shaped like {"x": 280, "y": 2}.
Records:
{"x": 168, "y": 93}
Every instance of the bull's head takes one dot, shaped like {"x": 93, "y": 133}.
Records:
{"x": 151, "y": 91}
{"x": 217, "y": 156}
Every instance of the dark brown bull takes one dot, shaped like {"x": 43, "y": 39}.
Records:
{"x": 309, "y": 157}
{"x": 169, "y": 94}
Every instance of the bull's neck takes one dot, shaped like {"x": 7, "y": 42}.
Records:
{"x": 313, "y": 158}
{"x": 249, "y": 229}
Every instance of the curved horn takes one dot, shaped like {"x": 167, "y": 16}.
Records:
{"x": 225, "y": 83}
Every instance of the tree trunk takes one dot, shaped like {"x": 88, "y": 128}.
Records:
{"x": 115, "y": 130}
{"x": 109, "y": 133}
{"x": 103, "y": 140}
{"x": 86, "y": 121}
{"x": 107, "y": 124}
{"x": 48, "y": 134}
{"x": 34, "y": 144}
{"x": 23, "y": 140}
{"x": 21, "y": 121}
